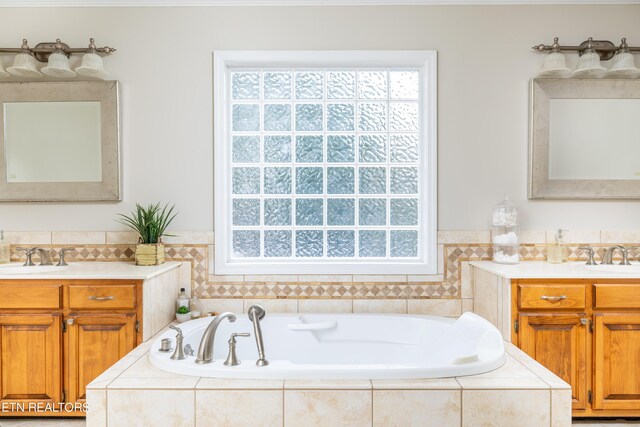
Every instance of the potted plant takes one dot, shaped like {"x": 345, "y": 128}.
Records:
{"x": 150, "y": 223}
{"x": 183, "y": 314}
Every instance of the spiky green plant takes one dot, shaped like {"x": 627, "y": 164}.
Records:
{"x": 183, "y": 309}
{"x": 150, "y": 222}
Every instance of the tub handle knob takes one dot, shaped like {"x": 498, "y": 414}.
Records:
{"x": 178, "y": 354}
{"x": 232, "y": 358}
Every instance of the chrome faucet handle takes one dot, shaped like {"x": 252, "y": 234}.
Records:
{"x": 232, "y": 358}
{"x": 63, "y": 252}
{"x": 178, "y": 354}
{"x": 635, "y": 249}
{"x": 625, "y": 256}
{"x": 590, "y": 253}
{"x": 29, "y": 253}
{"x": 45, "y": 256}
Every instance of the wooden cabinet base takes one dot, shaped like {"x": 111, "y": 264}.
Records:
{"x": 68, "y": 335}
{"x": 592, "y": 342}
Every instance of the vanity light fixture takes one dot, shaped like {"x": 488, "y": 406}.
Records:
{"x": 25, "y": 64}
{"x": 555, "y": 64}
{"x": 589, "y": 63}
{"x": 591, "y": 53}
{"x": 92, "y": 65}
{"x": 58, "y": 65}
{"x": 623, "y": 64}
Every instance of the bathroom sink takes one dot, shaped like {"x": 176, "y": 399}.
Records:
{"x": 615, "y": 268}
{"x": 36, "y": 269}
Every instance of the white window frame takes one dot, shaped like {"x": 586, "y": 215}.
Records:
{"x": 425, "y": 60}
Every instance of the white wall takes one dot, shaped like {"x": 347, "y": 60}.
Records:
{"x": 164, "y": 65}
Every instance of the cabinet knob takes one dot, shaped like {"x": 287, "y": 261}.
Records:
{"x": 584, "y": 320}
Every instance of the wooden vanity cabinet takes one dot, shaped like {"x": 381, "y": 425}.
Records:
{"x": 57, "y": 336}
{"x": 588, "y": 333}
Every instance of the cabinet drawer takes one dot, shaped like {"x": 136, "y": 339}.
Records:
{"x": 102, "y": 296}
{"x": 30, "y": 296}
{"x": 611, "y": 295}
{"x": 552, "y": 296}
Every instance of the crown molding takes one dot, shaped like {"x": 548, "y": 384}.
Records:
{"x": 195, "y": 3}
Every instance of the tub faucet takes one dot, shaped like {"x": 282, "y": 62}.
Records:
{"x": 205, "y": 351}
{"x": 256, "y": 313}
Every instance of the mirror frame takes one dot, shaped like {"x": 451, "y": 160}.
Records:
{"x": 105, "y": 92}
{"x": 541, "y": 93}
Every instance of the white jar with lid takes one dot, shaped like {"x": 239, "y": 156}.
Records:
{"x": 504, "y": 233}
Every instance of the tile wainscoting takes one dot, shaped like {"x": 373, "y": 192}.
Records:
{"x": 448, "y": 293}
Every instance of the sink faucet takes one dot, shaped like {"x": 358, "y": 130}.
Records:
{"x": 205, "y": 351}
{"x": 608, "y": 255}
{"x": 256, "y": 313}
{"x": 45, "y": 256}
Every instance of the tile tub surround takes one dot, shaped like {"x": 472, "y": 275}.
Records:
{"x": 455, "y": 250}
{"x": 521, "y": 392}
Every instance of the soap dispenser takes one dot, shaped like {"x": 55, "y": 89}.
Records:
{"x": 5, "y": 250}
{"x": 557, "y": 251}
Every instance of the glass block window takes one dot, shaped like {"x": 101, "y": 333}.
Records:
{"x": 325, "y": 165}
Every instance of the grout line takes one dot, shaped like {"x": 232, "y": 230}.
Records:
{"x": 461, "y": 405}
{"x": 372, "y": 402}
{"x": 550, "y": 408}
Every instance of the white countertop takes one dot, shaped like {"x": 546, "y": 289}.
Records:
{"x": 544, "y": 270}
{"x": 92, "y": 270}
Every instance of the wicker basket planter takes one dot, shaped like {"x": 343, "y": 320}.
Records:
{"x": 149, "y": 254}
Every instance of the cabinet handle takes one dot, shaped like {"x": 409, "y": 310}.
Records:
{"x": 95, "y": 298}
{"x": 553, "y": 298}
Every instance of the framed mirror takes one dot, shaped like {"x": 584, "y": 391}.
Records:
{"x": 584, "y": 140}
{"x": 59, "y": 141}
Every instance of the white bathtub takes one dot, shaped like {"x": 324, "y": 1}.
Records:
{"x": 345, "y": 346}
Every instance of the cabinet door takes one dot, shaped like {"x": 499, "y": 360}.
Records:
{"x": 559, "y": 342}
{"x": 95, "y": 342}
{"x": 30, "y": 358}
{"x": 617, "y": 361}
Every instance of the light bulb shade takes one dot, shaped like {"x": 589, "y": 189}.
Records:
{"x": 623, "y": 65}
{"x": 589, "y": 66}
{"x": 25, "y": 65}
{"x": 92, "y": 66}
{"x": 3, "y": 73}
{"x": 554, "y": 65}
{"x": 58, "y": 66}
